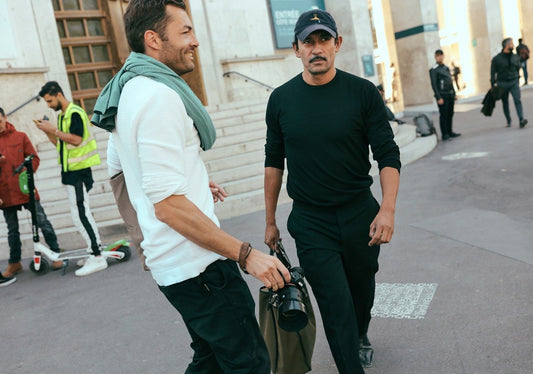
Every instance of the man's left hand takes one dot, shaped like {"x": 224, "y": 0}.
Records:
{"x": 218, "y": 192}
{"x": 382, "y": 228}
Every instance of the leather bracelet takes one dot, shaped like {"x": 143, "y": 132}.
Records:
{"x": 246, "y": 248}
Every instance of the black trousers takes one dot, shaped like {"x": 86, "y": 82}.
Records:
{"x": 332, "y": 245}
{"x": 219, "y": 313}
{"x": 13, "y": 234}
{"x": 446, "y": 115}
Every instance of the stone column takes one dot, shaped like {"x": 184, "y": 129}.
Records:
{"x": 353, "y": 22}
{"x": 526, "y": 13}
{"x": 415, "y": 25}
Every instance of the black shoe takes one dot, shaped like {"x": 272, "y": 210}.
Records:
{"x": 523, "y": 123}
{"x": 445, "y": 137}
{"x": 454, "y": 135}
{"x": 6, "y": 281}
{"x": 508, "y": 125}
{"x": 366, "y": 352}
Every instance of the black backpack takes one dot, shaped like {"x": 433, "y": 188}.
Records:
{"x": 424, "y": 125}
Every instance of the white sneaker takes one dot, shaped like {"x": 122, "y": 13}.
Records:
{"x": 92, "y": 265}
{"x": 81, "y": 262}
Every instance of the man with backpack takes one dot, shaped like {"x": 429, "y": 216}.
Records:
{"x": 523, "y": 52}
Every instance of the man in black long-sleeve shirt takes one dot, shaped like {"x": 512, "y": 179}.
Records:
{"x": 442, "y": 85}
{"x": 504, "y": 74}
{"x": 322, "y": 122}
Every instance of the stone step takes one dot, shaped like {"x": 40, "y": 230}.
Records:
{"x": 242, "y": 159}
{"x": 63, "y": 220}
{"x": 234, "y": 149}
{"x": 405, "y": 134}
{"x": 246, "y": 203}
{"x": 235, "y": 174}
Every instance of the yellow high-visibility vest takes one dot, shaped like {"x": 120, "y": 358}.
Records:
{"x": 76, "y": 157}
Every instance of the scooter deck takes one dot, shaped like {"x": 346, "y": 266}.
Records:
{"x": 77, "y": 253}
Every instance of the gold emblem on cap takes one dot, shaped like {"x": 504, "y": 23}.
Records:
{"x": 315, "y": 18}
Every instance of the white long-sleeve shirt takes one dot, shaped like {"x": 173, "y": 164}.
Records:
{"x": 159, "y": 150}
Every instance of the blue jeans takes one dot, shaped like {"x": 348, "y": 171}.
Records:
{"x": 13, "y": 235}
{"x": 514, "y": 88}
{"x": 523, "y": 64}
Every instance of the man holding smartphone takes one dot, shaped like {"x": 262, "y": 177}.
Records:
{"x": 14, "y": 147}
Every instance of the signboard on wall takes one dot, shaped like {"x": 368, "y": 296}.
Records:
{"x": 285, "y": 13}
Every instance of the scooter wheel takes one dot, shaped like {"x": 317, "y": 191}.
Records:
{"x": 127, "y": 253}
{"x": 43, "y": 269}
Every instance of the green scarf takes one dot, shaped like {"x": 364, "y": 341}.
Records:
{"x": 141, "y": 64}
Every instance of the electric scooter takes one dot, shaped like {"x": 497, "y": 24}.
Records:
{"x": 119, "y": 250}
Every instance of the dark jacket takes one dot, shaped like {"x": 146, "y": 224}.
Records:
{"x": 441, "y": 81}
{"x": 523, "y": 52}
{"x": 489, "y": 102}
{"x": 504, "y": 67}
{"x": 14, "y": 146}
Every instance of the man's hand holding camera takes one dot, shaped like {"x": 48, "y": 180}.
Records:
{"x": 268, "y": 269}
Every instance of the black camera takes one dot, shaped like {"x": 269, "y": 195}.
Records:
{"x": 292, "y": 313}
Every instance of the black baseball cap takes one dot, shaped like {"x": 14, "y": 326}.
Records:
{"x": 312, "y": 20}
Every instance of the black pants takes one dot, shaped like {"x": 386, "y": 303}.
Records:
{"x": 446, "y": 115}
{"x": 333, "y": 250}
{"x": 219, "y": 313}
{"x": 13, "y": 234}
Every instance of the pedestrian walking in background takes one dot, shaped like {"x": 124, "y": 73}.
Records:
{"x": 15, "y": 146}
{"x": 456, "y": 71}
{"x": 77, "y": 153}
{"x": 322, "y": 122}
{"x": 442, "y": 85}
{"x": 504, "y": 73}
{"x": 523, "y": 52}
{"x": 161, "y": 128}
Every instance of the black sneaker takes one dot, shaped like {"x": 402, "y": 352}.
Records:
{"x": 454, "y": 135}
{"x": 6, "y": 281}
{"x": 366, "y": 352}
{"x": 523, "y": 123}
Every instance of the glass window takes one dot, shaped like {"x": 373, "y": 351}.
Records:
{"x": 89, "y": 105}
{"x": 71, "y": 5}
{"x": 72, "y": 82}
{"x": 90, "y": 4}
{"x": 95, "y": 27}
{"x": 55, "y": 4}
{"x": 104, "y": 76}
{"x": 100, "y": 53}
{"x": 66, "y": 56}
{"x": 87, "y": 80}
{"x": 75, "y": 28}
{"x": 61, "y": 29}
{"x": 81, "y": 55}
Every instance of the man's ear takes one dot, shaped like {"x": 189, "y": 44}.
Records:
{"x": 296, "y": 49}
{"x": 152, "y": 40}
{"x": 338, "y": 43}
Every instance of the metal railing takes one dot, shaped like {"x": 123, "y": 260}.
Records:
{"x": 36, "y": 97}
{"x": 248, "y": 79}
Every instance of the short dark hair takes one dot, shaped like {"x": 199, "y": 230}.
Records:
{"x": 144, "y": 15}
{"x": 505, "y": 41}
{"x": 2, "y": 113}
{"x": 52, "y": 88}
{"x": 520, "y": 41}
{"x": 439, "y": 52}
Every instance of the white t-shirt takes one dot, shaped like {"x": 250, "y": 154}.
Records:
{"x": 159, "y": 150}
{"x": 113, "y": 162}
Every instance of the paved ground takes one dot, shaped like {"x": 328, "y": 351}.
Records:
{"x": 463, "y": 234}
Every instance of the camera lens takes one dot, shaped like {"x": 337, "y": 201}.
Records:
{"x": 292, "y": 315}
